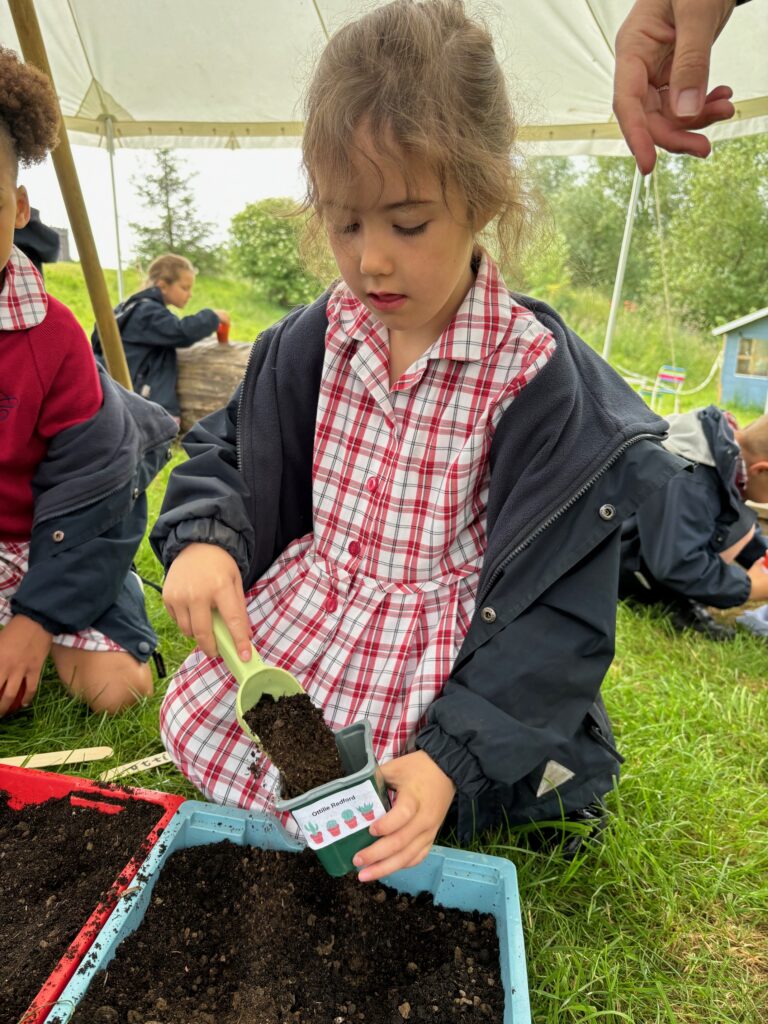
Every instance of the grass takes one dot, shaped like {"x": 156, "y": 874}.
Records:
{"x": 250, "y": 313}
{"x": 667, "y": 919}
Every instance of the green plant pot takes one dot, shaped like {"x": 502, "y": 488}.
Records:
{"x": 335, "y": 818}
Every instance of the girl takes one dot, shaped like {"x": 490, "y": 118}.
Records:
{"x": 412, "y": 501}
{"x": 151, "y": 333}
{"x": 76, "y": 454}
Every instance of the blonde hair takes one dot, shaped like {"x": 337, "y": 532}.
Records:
{"x": 426, "y": 77}
{"x": 169, "y": 267}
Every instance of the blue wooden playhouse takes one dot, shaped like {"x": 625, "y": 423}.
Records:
{"x": 744, "y": 374}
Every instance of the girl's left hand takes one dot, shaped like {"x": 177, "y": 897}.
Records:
{"x": 424, "y": 794}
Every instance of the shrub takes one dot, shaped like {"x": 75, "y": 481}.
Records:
{"x": 265, "y": 249}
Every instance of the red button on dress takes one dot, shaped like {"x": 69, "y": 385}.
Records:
{"x": 354, "y": 549}
{"x": 331, "y": 604}
{"x": 372, "y": 484}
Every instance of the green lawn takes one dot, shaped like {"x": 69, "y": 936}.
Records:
{"x": 667, "y": 919}
{"x": 250, "y": 313}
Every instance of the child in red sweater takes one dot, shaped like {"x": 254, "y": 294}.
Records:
{"x": 64, "y": 443}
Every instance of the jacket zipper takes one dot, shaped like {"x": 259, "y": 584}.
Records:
{"x": 499, "y": 570}
{"x": 238, "y": 432}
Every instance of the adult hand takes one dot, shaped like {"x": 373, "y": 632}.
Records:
{"x": 759, "y": 580}
{"x": 660, "y": 83}
{"x": 203, "y": 577}
{"x": 424, "y": 794}
{"x": 24, "y": 646}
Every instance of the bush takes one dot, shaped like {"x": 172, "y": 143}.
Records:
{"x": 265, "y": 249}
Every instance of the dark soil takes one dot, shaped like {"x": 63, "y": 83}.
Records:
{"x": 57, "y": 862}
{"x": 298, "y": 742}
{"x": 237, "y": 934}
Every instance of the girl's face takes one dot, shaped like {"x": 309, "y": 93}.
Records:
{"x": 178, "y": 292}
{"x": 405, "y": 255}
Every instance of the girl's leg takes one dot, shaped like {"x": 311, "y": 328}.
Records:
{"x": 106, "y": 680}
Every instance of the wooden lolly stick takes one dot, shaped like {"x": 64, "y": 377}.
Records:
{"x": 55, "y": 757}
{"x": 143, "y": 764}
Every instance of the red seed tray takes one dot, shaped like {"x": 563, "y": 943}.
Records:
{"x": 29, "y": 786}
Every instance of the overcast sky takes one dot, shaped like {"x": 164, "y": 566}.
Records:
{"x": 225, "y": 181}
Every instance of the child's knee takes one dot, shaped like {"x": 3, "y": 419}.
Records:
{"x": 107, "y": 681}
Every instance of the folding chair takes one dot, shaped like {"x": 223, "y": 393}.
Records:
{"x": 670, "y": 380}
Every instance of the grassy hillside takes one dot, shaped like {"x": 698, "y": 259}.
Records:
{"x": 250, "y": 314}
{"x": 642, "y": 341}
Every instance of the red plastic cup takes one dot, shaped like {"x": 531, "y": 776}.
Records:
{"x": 222, "y": 332}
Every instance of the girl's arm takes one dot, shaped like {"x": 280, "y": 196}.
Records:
{"x": 154, "y": 324}
{"x": 521, "y": 695}
{"x": 204, "y": 536}
{"x": 205, "y": 500}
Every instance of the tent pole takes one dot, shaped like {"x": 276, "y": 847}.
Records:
{"x": 32, "y": 47}
{"x": 619, "y": 280}
{"x": 109, "y": 126}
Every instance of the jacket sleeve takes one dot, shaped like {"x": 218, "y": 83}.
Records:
{"x": 206, "y": 500}
{"x": 528, "y": 688}
{"x": 159, "y": 327}
{"x": 71, "y": 589}
{"x": 753, "y": 551}
{"x": 676, "y": 526}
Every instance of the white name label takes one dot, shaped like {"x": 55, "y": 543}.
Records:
{"x": 341, "y": 814}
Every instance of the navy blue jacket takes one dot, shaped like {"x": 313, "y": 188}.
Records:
{"x": 671, "y": 544}
{"x": 151, "y": 334}
{"x": 90, "y": 515}
{"x": 574, "y": 454}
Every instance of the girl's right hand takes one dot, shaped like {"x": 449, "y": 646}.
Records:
{"x": 223, "y": 315}
{"x": 203, "y": 577}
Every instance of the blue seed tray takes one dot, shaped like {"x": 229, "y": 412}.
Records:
{"x": 455, "y": 878}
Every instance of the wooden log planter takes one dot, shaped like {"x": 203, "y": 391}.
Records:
{"x": 208, "y": 374}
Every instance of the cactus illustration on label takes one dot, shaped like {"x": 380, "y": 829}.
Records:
{"x": 350, "y": 819}
{"x": 315, "y": 833}
{"x": 367, "y": 811}
{"x": 333, "y": 827}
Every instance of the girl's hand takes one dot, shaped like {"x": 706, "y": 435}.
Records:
{"x": 201, "y": 578}
{"x": 24, "y": 646}
{"x": 424, "y": 794}
{"x": 223, "y": 315}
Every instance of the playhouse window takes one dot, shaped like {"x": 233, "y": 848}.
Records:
{"x": 752, "y": 358}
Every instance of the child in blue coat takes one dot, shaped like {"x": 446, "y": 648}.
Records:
{"x": 151, "y": 333}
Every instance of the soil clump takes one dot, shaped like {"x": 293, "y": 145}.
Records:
{"x": 238, "y": 934}
{"x": 57, "y": 862}
{"x": 296, "y": 739}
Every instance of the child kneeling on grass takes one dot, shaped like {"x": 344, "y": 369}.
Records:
{"x": 76, "y": 454}
{"x": 413, "y": 500}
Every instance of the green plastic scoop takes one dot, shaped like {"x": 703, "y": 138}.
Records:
{"x": 254, "y": 678}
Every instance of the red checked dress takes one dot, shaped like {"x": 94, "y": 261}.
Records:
{"x": 369, "y": 610}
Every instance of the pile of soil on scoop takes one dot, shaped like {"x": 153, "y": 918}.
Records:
{"x": 297, "y": 741}
{"x": 57, "y": 862}
{"x": 238, "y": 934}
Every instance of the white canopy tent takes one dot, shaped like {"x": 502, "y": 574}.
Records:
{"x": 150, "y": 73}
{"x": 196, "y": 73}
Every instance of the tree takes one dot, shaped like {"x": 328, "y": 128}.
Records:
{"x": 167, "y": 195}
{"x": 265, "y": 248}
{"x": 716, "y": 252}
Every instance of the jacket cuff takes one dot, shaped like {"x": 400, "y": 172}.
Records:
{"x": 455, "y": 760}
{"x": 49, "y": 625}
{"x": 206, "y": 531}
